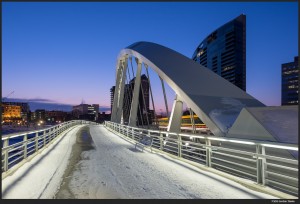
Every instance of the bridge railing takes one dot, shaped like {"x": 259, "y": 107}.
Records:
{"x": 17, "y": 148}
{"x": 266, "y": 163}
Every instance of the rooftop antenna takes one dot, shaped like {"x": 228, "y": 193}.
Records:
{"x": 82, "y": 101}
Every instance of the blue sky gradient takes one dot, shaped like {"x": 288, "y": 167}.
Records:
{"x": 67, "y": 51}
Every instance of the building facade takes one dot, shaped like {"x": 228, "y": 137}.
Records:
{"x": 38, "y": 115}
{"x": 143, "y": 114}
{"x": 224, "y": 51}
{"x": 112, "y": 92}
{"x": 86, "y": 112}
{"x": 11, "y": 113}
{"x": 25, "y": 110}
{"x": 290, "y": 83}
{"x": 56, "y": 116}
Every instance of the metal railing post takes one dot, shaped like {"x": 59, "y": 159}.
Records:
{"x": 5, "y": 144}
{"x": 179, "y": 144}
{"x": 127, "y": 131}
{"x": 161, "y": 141}
{"x": 149, "y": 135}
{"x": 25, "y": 145}
{"x": 55, "y": 133}
{"x": 132, "y": 134}
{"x": 37, "y": 141}
{"x": 44, "y": 137}
{"x": 208, "y": 152}
{"x": 261, "y": 165}
{"x": 52, "y": 135}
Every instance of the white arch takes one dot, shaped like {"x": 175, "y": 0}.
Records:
{"x": 215, "y": 100}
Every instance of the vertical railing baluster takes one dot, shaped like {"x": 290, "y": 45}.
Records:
{"x": 44, "y": 137}
{"x": 260, "y": 164}
{"x": 5, "y": 145}
{"x": 132, "y": 133}
{"x": 179, "y": 144}
{"x": 208, "y": 152}
{"x": 36, "y": 141}
{"x": 51, "y": 134}
{"x": 161, "y": 140}
{"x": 25, "y": 146}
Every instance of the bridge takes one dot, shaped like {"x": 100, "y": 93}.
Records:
{"x": 240, "y": 152}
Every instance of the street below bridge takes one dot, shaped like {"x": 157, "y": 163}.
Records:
{"x": 90, "y": 162}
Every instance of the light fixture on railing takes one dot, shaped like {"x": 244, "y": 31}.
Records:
{"x": 280, "y": 147}
{"x": 242, "y": 142}
{"x": 218, "y": 139}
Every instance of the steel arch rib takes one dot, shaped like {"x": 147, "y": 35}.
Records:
{"x": 215, "y": 100}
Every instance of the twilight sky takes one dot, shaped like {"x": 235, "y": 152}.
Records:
{"x": 67, "y": 51}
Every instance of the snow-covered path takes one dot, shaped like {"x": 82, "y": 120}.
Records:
{"x": 114, "y": 169}
{"x": 40, "y": 177}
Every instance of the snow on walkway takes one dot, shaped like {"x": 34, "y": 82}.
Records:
{"x": 40, "y": 177}
{"x": 114, "y": 169}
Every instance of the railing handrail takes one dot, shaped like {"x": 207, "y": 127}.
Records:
{"x": 274, "y": 144}
{"x": 236, "y": 156}
{"x": 16, "y": 154}
{"x": 17, "y": 134}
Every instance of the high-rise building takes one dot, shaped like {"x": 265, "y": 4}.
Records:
{"x": 290, "y": 83}
{"x": 143, "y": 116}
{"x": 112, "y": 94}
{"x": 143, "y": 113}
{"x": 126, "y": 100}
{"x": 224, "y": 51}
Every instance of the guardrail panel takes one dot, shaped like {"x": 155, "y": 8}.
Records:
{"x": 250, "y": 160}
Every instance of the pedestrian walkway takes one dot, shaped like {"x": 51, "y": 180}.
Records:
{"x": 113, "y": 168}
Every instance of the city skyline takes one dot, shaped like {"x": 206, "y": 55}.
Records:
{"x": 77, "y": 44}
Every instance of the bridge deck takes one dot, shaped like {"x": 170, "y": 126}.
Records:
{"x": 114, "y": 169}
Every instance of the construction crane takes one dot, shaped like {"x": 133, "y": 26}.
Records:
{"x": 4, "y": 98}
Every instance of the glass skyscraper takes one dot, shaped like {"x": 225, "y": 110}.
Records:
{"x": 290, "y": 83}
{"x": 224, "y": 51}
{"x": 143, "y": 106}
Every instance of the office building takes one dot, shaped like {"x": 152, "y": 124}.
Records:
{"x": 112, "y": 93}
{"x": 56, "y": 116}
{"x": 11, "y": 113}
{"x": 143, "y": 114}
{"x": 224, "y": 51}
{"x": 25, "y": 110}
{"x": 290, "y": 83}
{"x": 38, "y": 115}
{"x": 86, "y": 112}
